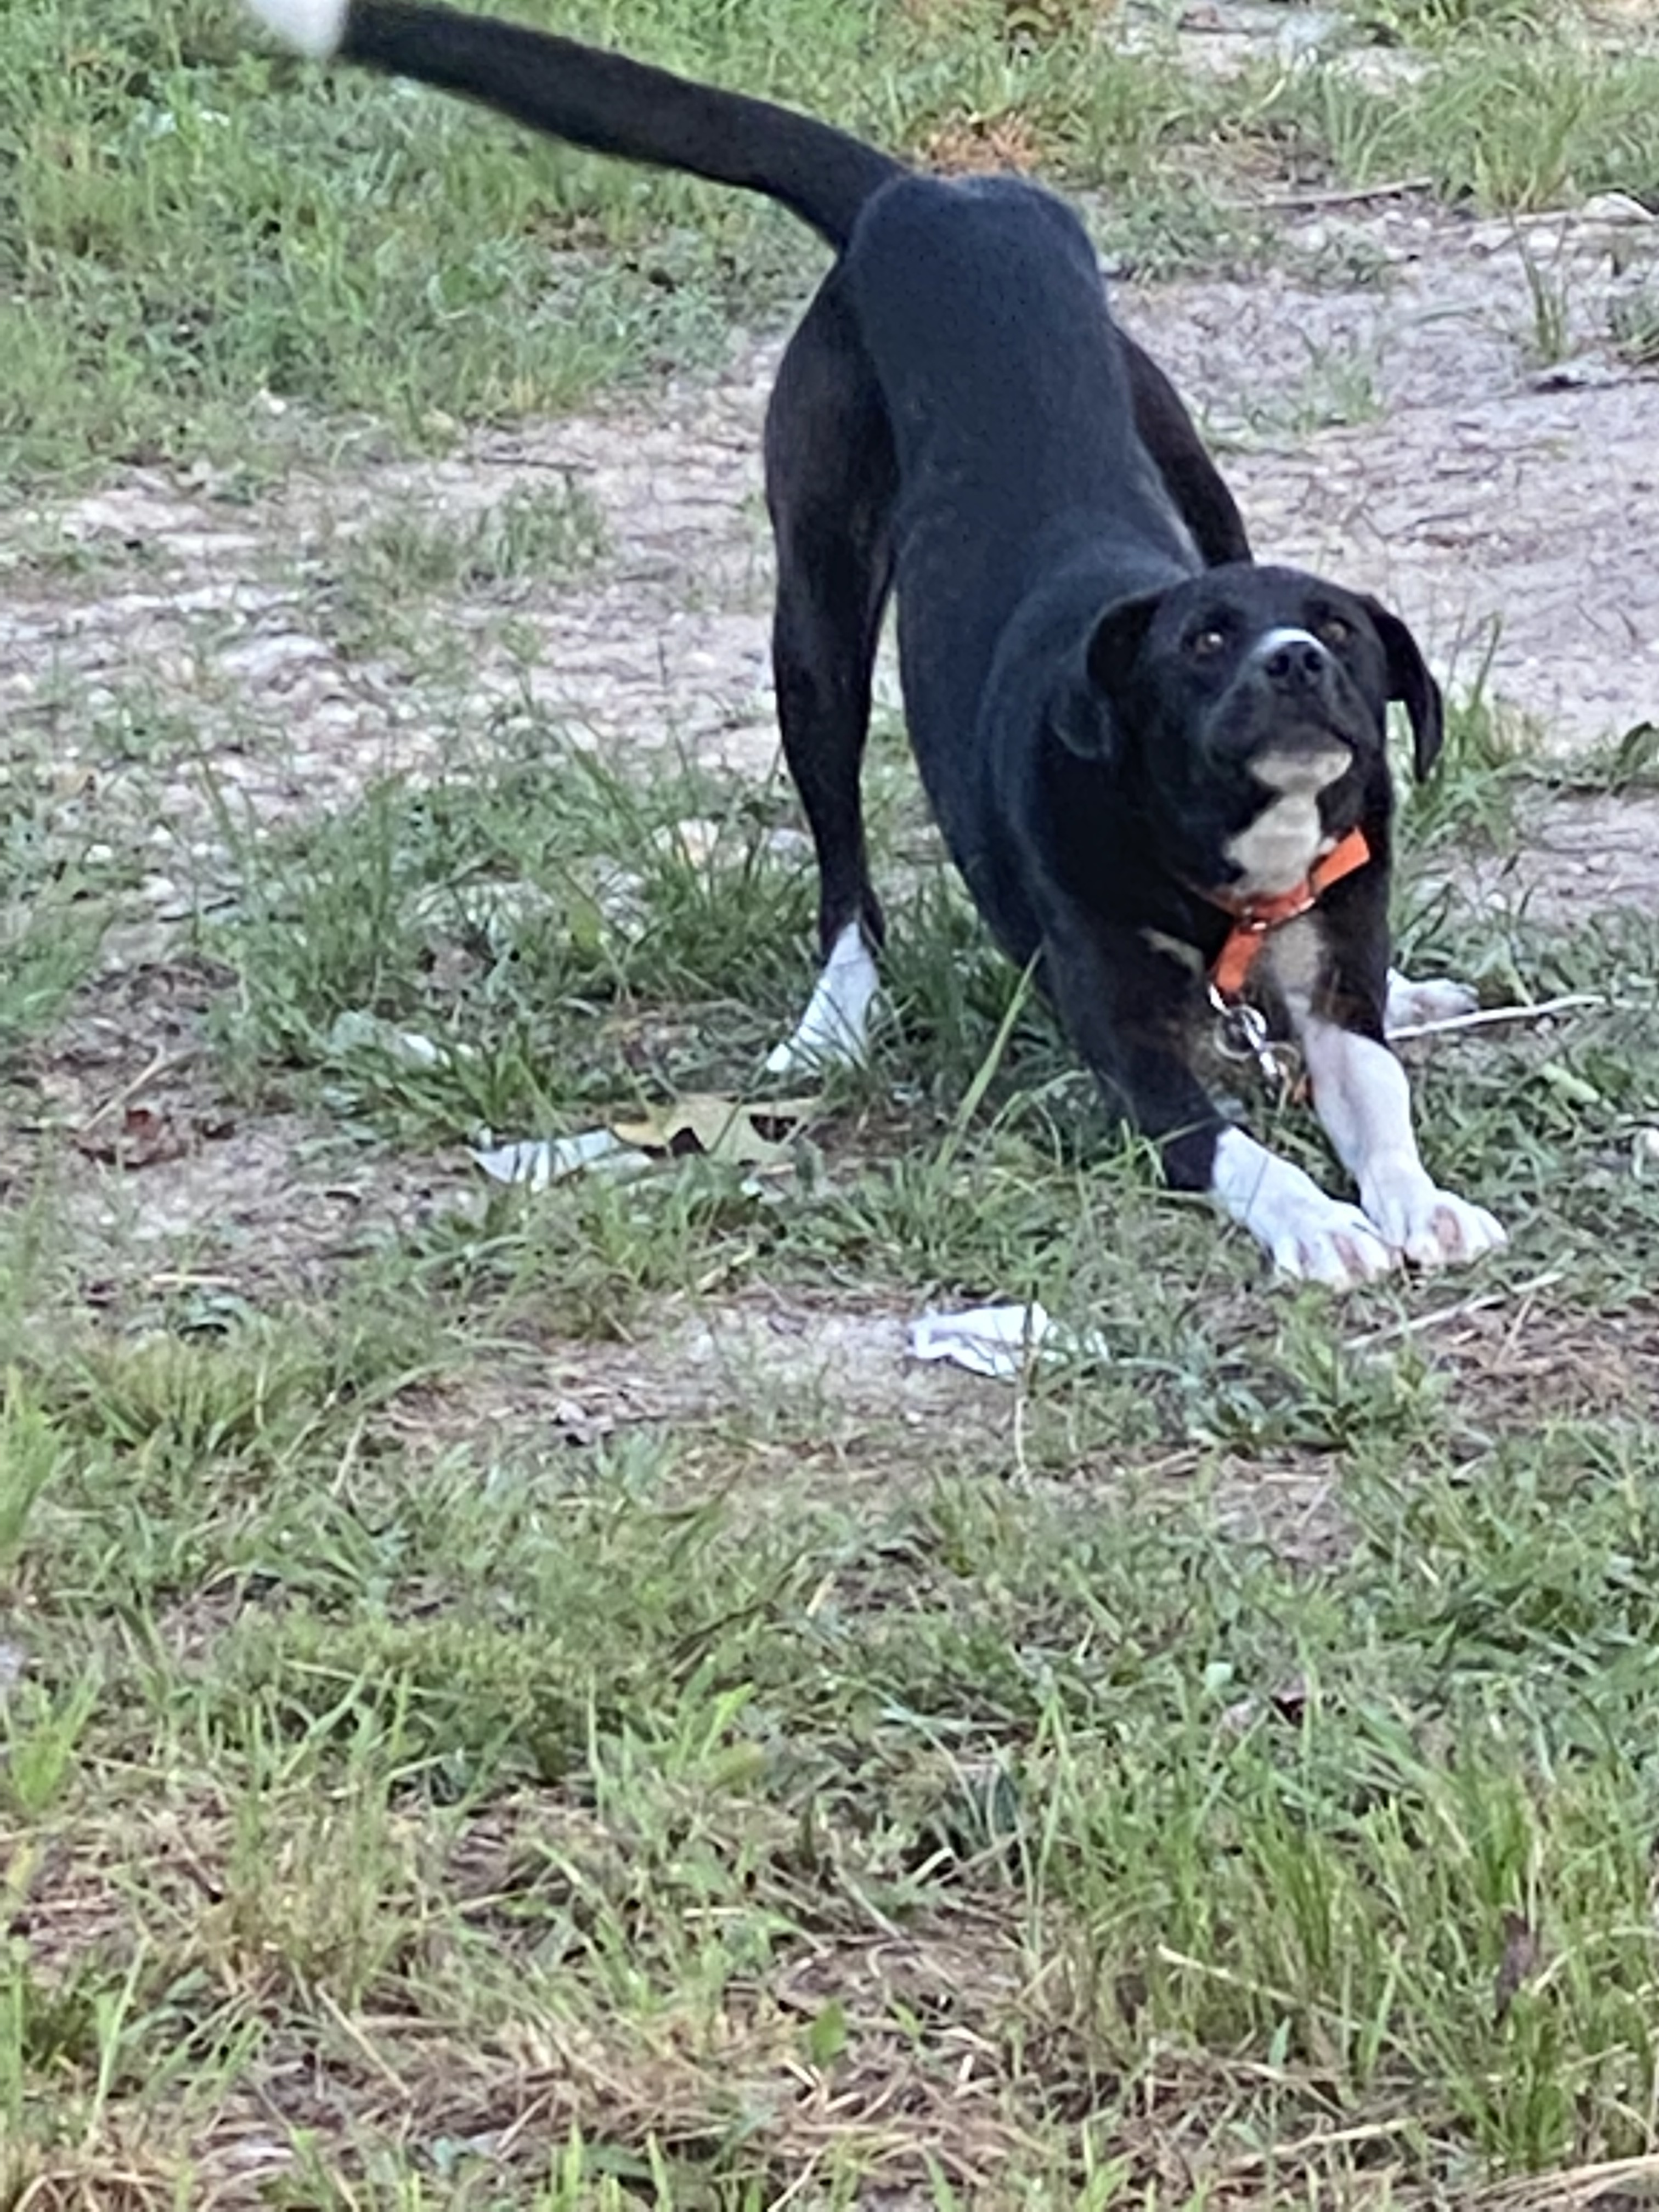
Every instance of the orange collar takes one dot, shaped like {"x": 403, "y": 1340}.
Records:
{"x": 1255, "y": 920}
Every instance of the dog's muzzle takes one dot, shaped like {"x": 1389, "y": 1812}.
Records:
{"x": 1292, "y": 665}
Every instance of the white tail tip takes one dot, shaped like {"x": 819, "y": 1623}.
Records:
{"x": 315, "y": 26}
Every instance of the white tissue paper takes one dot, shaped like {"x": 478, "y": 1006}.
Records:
{"x": 998, "y": 1340}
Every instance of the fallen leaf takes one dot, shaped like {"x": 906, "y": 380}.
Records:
{"x": 1638, "y": 753}
{"x": 1287, "y": 1703}
{"x": 143, "y": 1138}
{"x": 580, "y": 1424}
{"x": 753, "y": 1136}
{"x": 1568, "y": 1087}
{"x": 719, "y": 1129}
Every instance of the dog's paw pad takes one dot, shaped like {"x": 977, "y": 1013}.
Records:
{"x": 1447, "y": 1231}
{"x": 1413, "y": 1005}
{"x": 1335, "y": 1245}
{"x": 1429, "y": 1227}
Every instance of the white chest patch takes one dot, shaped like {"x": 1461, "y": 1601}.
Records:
{"x": 1294, "y": 956}
{"x": 1274, "y": 852}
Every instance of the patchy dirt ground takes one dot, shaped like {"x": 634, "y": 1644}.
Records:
{"x": 1506, "y": 508}
{"x": 1395, "y": 433}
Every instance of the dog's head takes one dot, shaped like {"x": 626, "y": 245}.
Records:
{"x": 1244, "y": 685}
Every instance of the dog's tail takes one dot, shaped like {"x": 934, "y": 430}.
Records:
{"x": 600, "y": 101}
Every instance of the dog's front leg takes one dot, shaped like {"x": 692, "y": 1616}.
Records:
{"x": 1128, "y": 1008}
{"x": 1364, "y": 1100}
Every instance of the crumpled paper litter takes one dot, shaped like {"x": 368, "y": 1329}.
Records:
{"x": 997, "y": 1341}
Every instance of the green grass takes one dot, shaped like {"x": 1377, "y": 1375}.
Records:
{"x": 1633, "y": 325}
{"x": 415, "y": 1792}
{"x": 193, "y": 226}
{"x": 1503, "y": 123}
{"x": 560, "y": 1819}
{"x": 1462, "y": 23}
{"x": 52, "y": 916}
{"x": 517, "y": 1700}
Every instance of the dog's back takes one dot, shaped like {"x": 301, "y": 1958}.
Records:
{"x": 980, "y": 305}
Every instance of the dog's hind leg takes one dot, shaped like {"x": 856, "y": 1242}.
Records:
{"x": 830, "y": 486}
{"x": 1190, "y": 477}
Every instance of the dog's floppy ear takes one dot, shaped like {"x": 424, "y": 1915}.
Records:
{"x": 1084, "y": 707}
{"x": 1410, "y": 682}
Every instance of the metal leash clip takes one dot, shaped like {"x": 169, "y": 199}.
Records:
{"x": 1241, "y": 1034}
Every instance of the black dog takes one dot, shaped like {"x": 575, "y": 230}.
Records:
{"x": 1150, "y": 759}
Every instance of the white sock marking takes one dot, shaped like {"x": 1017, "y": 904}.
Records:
{"x": 1361, "y": 1097}
{"x": 834, "y": 1030}
{"x": 1305, "y": 1232}
{"x": 315, "y": 26}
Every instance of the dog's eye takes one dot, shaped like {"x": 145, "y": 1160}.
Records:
{"x": 1205, "y": 644}
{"x": 1334, "y": 631}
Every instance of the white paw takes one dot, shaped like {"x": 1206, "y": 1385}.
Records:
{"x": 813, "y": 1051}
{"x": 1330, "y": 1244}
{"x": 834, "y": 1030}
{"x": 1430, "y": 1227}
{"x": 314, "y": 26}
{"x": 1413, "y": 1006}
{"x": 1307, "y": 1234}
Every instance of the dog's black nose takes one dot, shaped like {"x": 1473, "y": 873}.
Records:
{"x": 1296, "y": 663}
